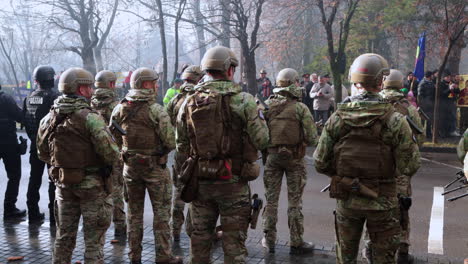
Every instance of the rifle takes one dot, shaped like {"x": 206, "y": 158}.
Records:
{"x": 326, "y": 188}
{"x": 457, "y": 197}
{"x": 413, "y": 126}
{"x": 460, "y": 177}
{"x": 423, "y": 114}
{"x": 117, "y": 127}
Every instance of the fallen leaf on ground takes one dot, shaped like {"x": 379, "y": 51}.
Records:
{"x": 15, "y": 258}
{"x": 113, "y": 241}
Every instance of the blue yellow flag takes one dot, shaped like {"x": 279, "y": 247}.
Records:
{"x": 420, "y": 55}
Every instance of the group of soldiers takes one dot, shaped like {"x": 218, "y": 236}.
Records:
{"x": 101, "y": 151}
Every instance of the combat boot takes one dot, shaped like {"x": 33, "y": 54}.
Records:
{"x": 305, "y": 248}
{"x": 269, "y": 245}
{"x": 173, "y": 260}
{"x": 13, "y": 213}
{"x": 36, "y": 217}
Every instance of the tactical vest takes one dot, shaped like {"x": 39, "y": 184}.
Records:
{"x": 216, "y": 135}
{"x": 70, "y": 141}
{"x": 285, "y": 128}
{"x": 141, "y": 135}
{"x": 361, "y": 153}
{"x": 178, "y": 101}
{"x": 37, "y": 105}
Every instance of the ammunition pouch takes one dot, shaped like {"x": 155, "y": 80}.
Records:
{"x": 250, "y": 171}
{"x": 337, "y": 189}
{"x": 144, "y": 163}
{"x": 288, "y": 151}
{"x": 256, "y": 207}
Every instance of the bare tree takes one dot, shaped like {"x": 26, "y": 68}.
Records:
{"x": 6, "y": 51}
{"x": 451, "y": 21}
{"x": 246, "y": 19}
{"x": 103, "y": 36}
{"x": 180, "y": 12}
{"x": 336, "y": 51}
{"x": 198, "y": 16}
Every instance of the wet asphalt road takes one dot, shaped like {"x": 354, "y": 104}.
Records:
{"x": 318, "y": 208}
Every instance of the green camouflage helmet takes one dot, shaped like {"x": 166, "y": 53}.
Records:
{"x": 72, "y": 78}
{"x": 140, "y": 75}
{"x": 286, "y": 77}
{"x": 369, "y": 69}
{"x": 219, "y": 58}
{"x": 394, "y": 80}
{"x": 192, "y": 73}
{"x": 104, "y": 78}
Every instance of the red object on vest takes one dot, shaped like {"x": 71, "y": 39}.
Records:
{"x": 229, "y": 169}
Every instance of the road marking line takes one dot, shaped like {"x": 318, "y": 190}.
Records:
{"x": 443, "y": 164}
{"x": 435, "y": 241}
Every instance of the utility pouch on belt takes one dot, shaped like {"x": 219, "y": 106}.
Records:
{"x": 187, "y": 170}
{"x": 405, "y": 202}
{"x": 250, "y": 171}
{"x": 189, "y": 180}
{"x": 54, "y": 173}
{"x": 139, "y": 161}
{"x": 341, "y": 187}
{"x": 214, "y": 169}
{"x": 70, "y": 176}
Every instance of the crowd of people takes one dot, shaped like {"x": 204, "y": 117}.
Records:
{"x": 102, "y": 152}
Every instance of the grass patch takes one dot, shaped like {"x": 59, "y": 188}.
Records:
{"x": 439, "y": 145}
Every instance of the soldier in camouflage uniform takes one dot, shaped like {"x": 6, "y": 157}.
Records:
{"x": 461, "y": 152}
{"x": 223, "y": 189}
{"x": 149, "y": 138}
{"x": 364, "y": 144}
{"x": 190, "y": 76}
{"x": 76, "y": 142}
{"x": 292, "y": 129}
{"x": 104, "y": 100}
{"x": 391, "y": 92}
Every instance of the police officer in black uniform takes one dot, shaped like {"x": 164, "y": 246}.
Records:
{"x": 10, "y": 113}
{"x": 36, "y": 106}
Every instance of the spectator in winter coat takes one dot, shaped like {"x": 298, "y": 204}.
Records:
{"x": 322, "y": 93}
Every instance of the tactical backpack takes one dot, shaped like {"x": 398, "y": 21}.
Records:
{"x": 218, "y": 141}
{"x": 363, "y": 156}
{"x": 285, "y": 128}
{"x": 401, "y": 107}
{"x": 72, "y": 150}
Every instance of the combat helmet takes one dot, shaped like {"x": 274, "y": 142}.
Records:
{"x": 262, "y": 71}
{"x": 285, "y": 80}
{"x": 394, "y": 80}
{"x": 192, "y": 73}
{"x": 140, "y": 75}
{"x": 369, "y": 69}
{"x": 72, "y": 78}
{"x": 104, "y": 78}
{"x": 43, "y": 73}
{"x": 219, "y": 58}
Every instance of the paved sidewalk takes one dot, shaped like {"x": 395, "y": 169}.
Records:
{"x": 35, "y": 242}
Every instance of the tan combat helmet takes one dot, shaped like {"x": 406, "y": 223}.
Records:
{"x": 219, "y": 58}
{"x": 394, "y": 80}
{"x": 140, "y": 75}
{"x": 285, "y": 80}
{"x": 72, "y": 78}
{"x": 104, "y": 78}
{"x": 192, "y": 73}
{"x": 369, "y": 69}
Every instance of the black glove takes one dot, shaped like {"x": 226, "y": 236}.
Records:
{"x": 23, "y": 145}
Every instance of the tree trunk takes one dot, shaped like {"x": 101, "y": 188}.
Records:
{"x": 199, "y": 29}
{"x": 453, "y": 62}
{"x": 10, "y": 62}
{"x": 176, "y": 48}
{"x": 162, "y": 33}
{"x": 89, "y": 63}
{"x": 225, "y": 23}
{"x": 308, "y": 47}
{"x": 98, "y": 58}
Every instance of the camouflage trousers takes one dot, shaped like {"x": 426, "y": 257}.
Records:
{"x": 118, "y": 216}
{"x": 178, "y": 206}
{"x": 384, "y": 232}
{"x": 158, "y": 183}
{"x": 232, "y": 203}
{"x": 404, "y": 190}
{"x": 294, "y": 169}
{"x": 95, "y": 205}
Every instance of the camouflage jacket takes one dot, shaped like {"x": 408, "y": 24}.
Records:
{"x": 463, "y": 147}
{"x": 395, "y": 96}
{"x": 158, "y": 115}
{"x": 396, "y": 133}
{"x": 305, "y": 118}
{"x": 103, "y": 142}
{"x": 104, "y": 101}
{"x": 173, "y": 106}
{"x": 242, "y": 104}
